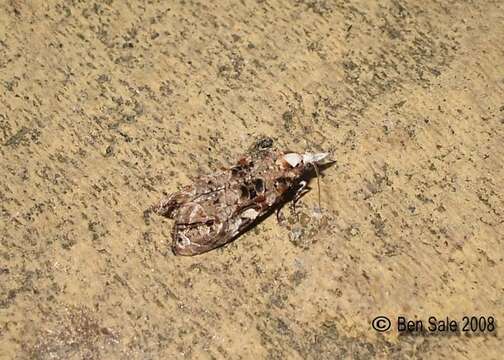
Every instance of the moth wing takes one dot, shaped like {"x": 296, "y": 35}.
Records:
{"x": 169, "y": 205}
{"x": 193, "y": 213}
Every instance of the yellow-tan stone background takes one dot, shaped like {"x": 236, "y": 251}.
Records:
{"x": 106, "y": 105}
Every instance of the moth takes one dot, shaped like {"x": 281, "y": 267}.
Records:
{"x": 219, "y": 207}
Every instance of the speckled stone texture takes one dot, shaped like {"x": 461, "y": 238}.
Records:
{"x": 106, "y": 105}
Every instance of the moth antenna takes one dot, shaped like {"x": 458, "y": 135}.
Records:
{"x": 318, "y": 185}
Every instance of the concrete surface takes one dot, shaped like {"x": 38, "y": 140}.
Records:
{"x": 106, "y": 105}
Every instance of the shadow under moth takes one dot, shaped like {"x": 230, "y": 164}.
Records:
{"x": 218, "y": 208}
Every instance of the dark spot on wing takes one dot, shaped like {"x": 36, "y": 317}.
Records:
{"x": 244, "y": 192}
{"x": 259, "y": 186}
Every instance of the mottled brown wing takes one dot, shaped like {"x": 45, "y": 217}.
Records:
{"x": 217, "y": 208}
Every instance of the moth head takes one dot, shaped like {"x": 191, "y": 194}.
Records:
{"x": 301, "y": 161}
{"x": 310, "y": 158}
{"x": 295, "y": 159}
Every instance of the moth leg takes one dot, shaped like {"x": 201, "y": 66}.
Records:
{"x": 300, "y": 192}
{"x": 292, "y": 207}
{"x": 280, "y": 217}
